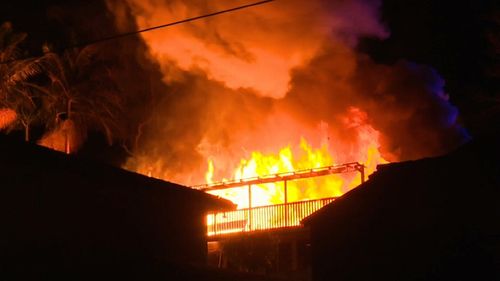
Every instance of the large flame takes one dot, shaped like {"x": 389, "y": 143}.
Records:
{"x": 315, "y": 192}
{"x": 277, "y": 88}
{"x": 274, "y": 89}
{"x": 294, "y": 158}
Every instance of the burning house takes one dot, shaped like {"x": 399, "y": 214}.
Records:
{"x": 242, "y": 110}
{"x": 277, "y": 108}
{"x": 432, "y": 219}
{"x": 269, "y": 238}
{"x": 289, "y": 95}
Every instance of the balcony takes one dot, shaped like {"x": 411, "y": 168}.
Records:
{"x": 263, "y": 218}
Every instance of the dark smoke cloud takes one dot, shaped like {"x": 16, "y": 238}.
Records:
{"x": 408, "y": 105}
{"x": 405, "y": 102}
{"x": 195, "y": 111}
{"x": 200, "y": 95}
{"x": 257, "y": 79}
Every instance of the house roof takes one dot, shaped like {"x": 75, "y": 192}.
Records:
{"x": 461, "y": 184}
{"x": 25, "y": 160}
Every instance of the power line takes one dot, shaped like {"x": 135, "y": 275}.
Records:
{"x": 121, "y": 35}
{"x": 170, "y": 24}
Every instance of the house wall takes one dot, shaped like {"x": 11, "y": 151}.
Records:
{"x": 57, "y": 220}
{"x": 393, "y": 247}
{"x": 431, "y": 219}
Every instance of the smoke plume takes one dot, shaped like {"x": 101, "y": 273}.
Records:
{"x": 263, "y": 77}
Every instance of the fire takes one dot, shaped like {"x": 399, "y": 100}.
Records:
{"x": 278, "y": 71}
{"x": 276, "y": 89}
{"x": 266, "y": 207}
{"x": 290, "y": 159}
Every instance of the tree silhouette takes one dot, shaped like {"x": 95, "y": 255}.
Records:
{"x": 83, "y": 95}
{"x": 19, "y": 97}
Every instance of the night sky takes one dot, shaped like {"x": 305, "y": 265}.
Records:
{"x": 460, "y": 39}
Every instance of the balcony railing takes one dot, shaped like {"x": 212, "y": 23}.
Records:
{"x": 263, "y": 218}
{"x": 273, "y": 216}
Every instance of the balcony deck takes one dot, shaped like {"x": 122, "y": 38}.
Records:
{"x": 271, "y": 217}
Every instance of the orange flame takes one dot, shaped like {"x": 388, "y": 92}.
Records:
{"x": 289, "y": 160}
{"x": 315, "y": 192}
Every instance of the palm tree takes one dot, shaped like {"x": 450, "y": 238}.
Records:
{"x": 83, "y": 95}
{"x": 18, "y": 96}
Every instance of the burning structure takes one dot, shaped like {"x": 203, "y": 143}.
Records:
{"x": 206, "y": 102}
{"x": 274, "y": 216}
{"x": 271, "y": 228}
{"x": 278, "y": 88}
{"x": 293, "y": 92}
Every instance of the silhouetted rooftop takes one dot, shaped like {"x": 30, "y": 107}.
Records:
{"x": 28, "y": 159}
{"x": 435, "y": 219}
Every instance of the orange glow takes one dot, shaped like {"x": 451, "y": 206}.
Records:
{"x": 57, "y": 138}
{"x": 276, "y": 88}
{"x": 289, "y": 159}
{"x": 304, "y": 196}
{"x": 263, "y": 218}
{"x": 7, "y": 117}
{"x": 266, "y": 207}
{"x": 255, "y": 49}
